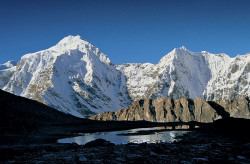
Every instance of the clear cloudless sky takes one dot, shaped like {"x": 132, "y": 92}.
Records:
{"x": 126, "y": 30}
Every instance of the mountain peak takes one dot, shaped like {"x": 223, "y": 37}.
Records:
{"x": 182, "y": 48}
{"x": 70, "y": 38}
{"x": 73, "y": 43}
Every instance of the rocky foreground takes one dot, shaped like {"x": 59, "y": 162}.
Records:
{"x": 194, "y": 147}
{"x": 224, "y": 141}
{"x": 28, "y": 131}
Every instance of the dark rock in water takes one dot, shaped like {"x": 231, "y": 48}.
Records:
{"x": 98, "y": 142}
{"x": 73, "y": 145}
{"x": 179, "y": 110}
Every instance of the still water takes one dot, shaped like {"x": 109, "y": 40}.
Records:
{"x": 141, "y": 135}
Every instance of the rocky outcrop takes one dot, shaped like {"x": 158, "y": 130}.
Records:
{"x": 175, "y": 110}
{"x": 239, "y": 108}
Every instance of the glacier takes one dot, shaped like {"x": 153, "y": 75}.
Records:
{"x": 75, "y": 77}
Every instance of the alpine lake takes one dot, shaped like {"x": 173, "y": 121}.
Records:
{"x": 139, "y": 135}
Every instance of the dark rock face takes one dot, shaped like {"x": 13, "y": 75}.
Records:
{"x": 175, "y": 110}
{"x": 239, "y": 108}
{"x": 204, "y": 112}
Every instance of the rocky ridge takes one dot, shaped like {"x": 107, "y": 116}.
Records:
{"x": 179, "y": 110}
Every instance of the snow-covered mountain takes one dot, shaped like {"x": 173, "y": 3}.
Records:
{"x": 75, "y": 77}
{"x": 72, "y": 76}
{"x": 182, "y": 73}
{"x": 6, "y": 71}
{"x": 7, "y": 65}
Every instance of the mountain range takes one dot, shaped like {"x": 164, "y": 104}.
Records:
{"x": 75, "y": 77}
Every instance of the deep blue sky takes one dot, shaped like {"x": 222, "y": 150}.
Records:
{"x": 126, "y": 30}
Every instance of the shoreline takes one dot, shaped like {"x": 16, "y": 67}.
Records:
{"x": 223, "y": 141}
{"x": 194, "y": 147}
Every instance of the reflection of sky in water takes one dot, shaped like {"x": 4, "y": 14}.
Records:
{"x": 152, "y": 138}
{"x": 163, "y": 136}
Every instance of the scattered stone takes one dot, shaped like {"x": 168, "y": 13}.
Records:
{"x": 82, "y": 158}
{"x": 197, "y": 160}
{"x": 118, "y": 159}
{"x": 215, "y": 145}
{"x": 185, "y": 162}
{"x": 158, "y": 150}
{"x": 153, "y": 153}
{"x": 98, "y": 142}
{"x": 241, "y": 157}
{"x": 246, "y": 146}
{"x": 74, "y": 145}
{"x": 231, "y": 159}
{"x": 132, "y": 144}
